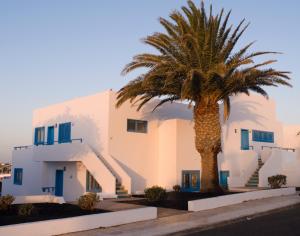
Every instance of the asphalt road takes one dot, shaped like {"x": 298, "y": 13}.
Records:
{"x": 285, "y": 222}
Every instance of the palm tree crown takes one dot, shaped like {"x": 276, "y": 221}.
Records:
{"x": 197, "y": 62}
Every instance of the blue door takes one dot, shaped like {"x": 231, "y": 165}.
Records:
{"x": 50, "y": 137}
{"x": 191, "y": 181}
{"x": 224, "y": 174}
{"x": 245, "y": 139}
{"x": 59, "y": 183}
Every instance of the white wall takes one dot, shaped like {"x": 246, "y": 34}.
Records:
{"x": 291, "y": 136}
{"x": 80, "y": 223}
{"x": 188, "y": 157}
{"x": 139, "y": 154}
{"x": 89, "y": 116}
{"x": 167, "y": 154}
{"x": 160, "y": 155}
{"x": 32, "y": 172}
{"x": 253, "y": 113}
{"x": 74, "y": 184}
{"x": 77, "y": 152}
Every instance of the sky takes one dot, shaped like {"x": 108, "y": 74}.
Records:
{"x": 51, "y": 51}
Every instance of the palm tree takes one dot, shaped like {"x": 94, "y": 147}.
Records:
{"x": 197, "y": 62}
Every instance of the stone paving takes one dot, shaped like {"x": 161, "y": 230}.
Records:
{"x": 191, "y": 220}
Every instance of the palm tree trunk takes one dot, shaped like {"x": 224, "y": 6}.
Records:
{"x": 208, "y": 143}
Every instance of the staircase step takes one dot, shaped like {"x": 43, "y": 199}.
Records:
{"x": 124, "y": 195}
{"x": 251, "y": 185}
{"x": 120, "y": 188}
{"x": 122, "y": 192}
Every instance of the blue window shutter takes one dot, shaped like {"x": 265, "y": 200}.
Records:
{"x": 18, "y": 176}
{"x": 50, "y": 137}
{"x": 68, "y": 132}
{"x": 36, "y": 136}
{"x": 64, "y": 133}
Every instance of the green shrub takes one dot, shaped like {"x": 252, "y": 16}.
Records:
{"x": 26, "y": 210}
{"x": 176, "y": 188}
{"x": 88, "y": 201}
{"x": 155, "y": 194}
{"x": 5, "y": 202}
{"x": 277, "y": 181}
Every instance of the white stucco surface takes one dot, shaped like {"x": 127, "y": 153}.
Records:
{"x": 227, "y": 200}
{"x": 80, "y": 223}
{"x": 105, "y": 148}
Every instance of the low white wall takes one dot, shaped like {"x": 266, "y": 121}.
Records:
{"x": 79, "y": 223}
{"x": 215, "y": 202}
{"x": 271, "y": 167}
{"x": 242, "y": 165}
{"x": 38, "y": 199}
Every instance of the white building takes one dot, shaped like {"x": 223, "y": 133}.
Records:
{"x": 86, "y": 144}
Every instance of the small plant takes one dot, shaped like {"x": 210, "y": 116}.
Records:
{"x": 155, "y": 194}
{"x": 277, "y": 181}
{"x": 26, "y": 210}
{"x": 88, "y": 201}
{"x": 176, "y": 188}
{"x": 5, "y": 202}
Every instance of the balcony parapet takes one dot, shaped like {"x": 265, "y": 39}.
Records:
{"x": 47, "y": 144}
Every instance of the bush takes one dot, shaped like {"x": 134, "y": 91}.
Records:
{"x": 5, "y": 202}
{"x": 155, "y": 194}
{"x": 88, "y": 201}
{"x": 176, "y": 188}
{"x": 26, "y": 210}
{"x": 277, "y": 181}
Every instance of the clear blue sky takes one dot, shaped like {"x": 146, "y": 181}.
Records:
{"x": 55, "y": 50}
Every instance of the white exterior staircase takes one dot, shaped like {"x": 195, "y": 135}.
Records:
{"x": 254, "y": 179}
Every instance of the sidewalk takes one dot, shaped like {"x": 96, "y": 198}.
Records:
{"x": 172, "y": 224}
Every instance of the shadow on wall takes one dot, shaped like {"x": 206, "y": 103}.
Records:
{"x": 87, "y": 128}
{"x": 139, "y": 181}
{"x": 244, "y": 111}
{"x": 167, "y": 111}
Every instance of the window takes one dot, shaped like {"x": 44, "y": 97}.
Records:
{"x": 262, "y": 136}
{"x": 92, "y": 184}
{"x": 138, "y": 126}
{"x": 39, "y": 136}
{"x": 18, "y": 176}
{"x": 64, "y": 133}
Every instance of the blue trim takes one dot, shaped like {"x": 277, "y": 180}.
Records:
{"x": 39, "y": 136}
{"x": 18, "y": 176}
{"x": 59, "y": 183}
{"x": 244, "y": 139}
{"x": 188, "y": 184}
{"x": 224, "y": 174}
{"x": 262, "y": 136}
{"x": 50, "y": 135}
{"x": 64, "y": 133}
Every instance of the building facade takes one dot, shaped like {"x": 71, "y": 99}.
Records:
{"x": 87, "y": 144}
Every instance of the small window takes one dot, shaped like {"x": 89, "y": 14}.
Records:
{"x": 39, "y": 136}
{"x": 138, "y": 126}
{"x": 18, "y": 176}
{"x": 92, "y": 184}
{"x": 64, "y": 133}
{"x": 262, "y": 136}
